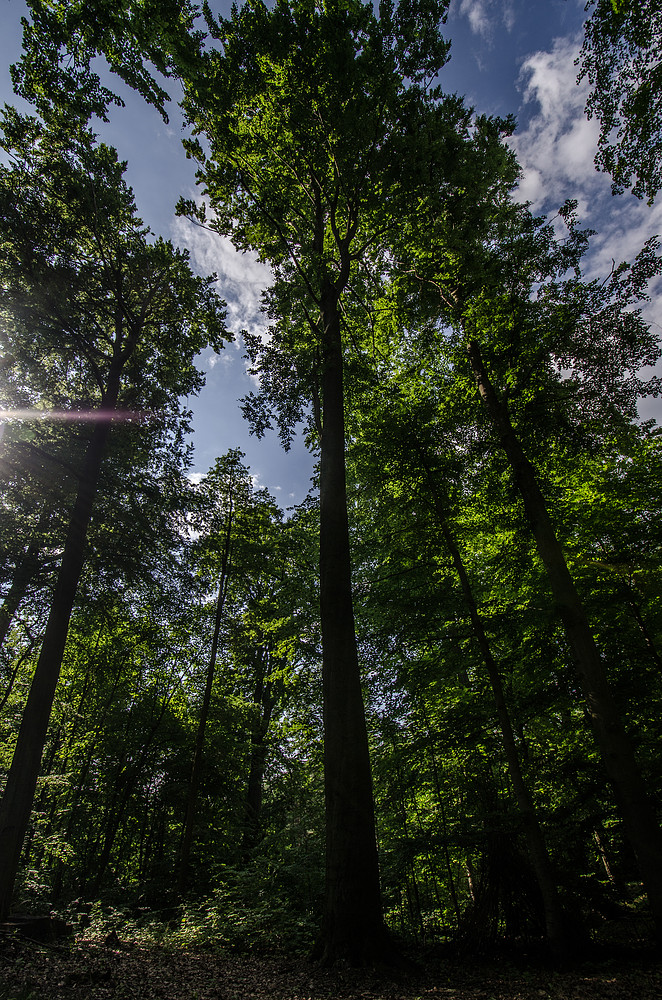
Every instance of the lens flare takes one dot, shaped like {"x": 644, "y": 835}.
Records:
{"x": 79, "y": 416}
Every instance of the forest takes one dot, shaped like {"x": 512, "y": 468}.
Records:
{"x": 417, "y": 714}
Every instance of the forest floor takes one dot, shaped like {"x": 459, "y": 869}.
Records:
{"x": 122, "y": 970}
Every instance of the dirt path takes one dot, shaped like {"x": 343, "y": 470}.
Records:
{"x": 92, "y": 971}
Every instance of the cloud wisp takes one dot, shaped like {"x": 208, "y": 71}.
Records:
{"x": 482, "y": 15}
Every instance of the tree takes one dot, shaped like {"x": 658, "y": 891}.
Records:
{"x": 79, "y": 273}
{"x": 414, "y": 450}
{"x": 222, "y": 484}
{"x": 615, "y": 748}
{"x": 622, "y": 59}
{"x": 582, "y": 321}
{"x": 308, "y": 112}
{"x": 232, "y": 549}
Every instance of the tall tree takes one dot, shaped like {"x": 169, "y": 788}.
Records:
{"x": 79, "y": 272}
{"x": 610, "y": 735}
{"x": 414, "y": 450}
{"x": 230, "y": 517}
{"x": 514, "y": 346}
{"x": 308, "y": 111}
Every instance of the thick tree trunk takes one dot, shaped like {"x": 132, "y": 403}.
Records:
{"x": 353, "y": 927}
{"x": 196, "y": 768}
{"x": 641, "y": 825}
{"x": 22, "y": 779}
{"x": 555, "y": 925}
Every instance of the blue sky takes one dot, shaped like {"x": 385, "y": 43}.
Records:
{"x": 507, "y": 57}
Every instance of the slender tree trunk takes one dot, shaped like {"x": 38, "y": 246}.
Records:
{"x": 196, "y": 769}
{"x": 113, "y": 821}
{"x": 265, "y": 700}
{"x": 14, "y": 674}
{"x": 604, "y": 858}
{"x": 22, "y": 779}
{"x": 641, "y": 825}
{"x": 442, "y": 813}
{"x": 24, "y": 573}
{"x": 555, "y": 924}
{"x": 19, "y": 585}
{"x": 353, "y": 927}
{"x": 77, "y": 786}
{"x": 635, "y": 610}
{"x": 125, "y": 785}
{"x": 411, "y": 886}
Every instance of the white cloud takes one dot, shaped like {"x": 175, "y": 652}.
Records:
{"x": 556, "y": 148}
{"x": 241, "y": 276}
{"x": 508, "y": 15}
{"x": 476, "y": 14}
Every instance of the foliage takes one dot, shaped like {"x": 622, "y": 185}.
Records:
{"x": 621, "y": 59}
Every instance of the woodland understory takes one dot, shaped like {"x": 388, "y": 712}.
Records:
{"x": 92, "y": 970}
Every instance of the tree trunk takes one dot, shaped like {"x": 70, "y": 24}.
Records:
{"x": 77, "y": 786}
{"x": 413, "y": 894}
{"x": 602, "y": 853}
{"x": 14, "y": 674}
{"x": 127, "y": 781}
{"x": 442, "y": 813}
{"x": 22, "y": 779}
{"x": 23, "y": 574}
{"x": 265, "y": 700}
{"x": 635, "y": 609}
{"x": 353, "y": 927}
{"x": 641, "y": 825}
{"x": 196, "y": 768}
{"x": 555, "y": 925}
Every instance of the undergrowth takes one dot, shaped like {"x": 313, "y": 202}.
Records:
{"x": 246, "y": 912}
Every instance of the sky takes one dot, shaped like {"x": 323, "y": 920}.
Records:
{"x": 507, "y": 57}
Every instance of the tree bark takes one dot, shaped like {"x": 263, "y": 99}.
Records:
{"x": 22, "y": 778}
{"x": 353, "y": 927}
{"x": 196, "y": 768}
{"x": 126, "y": 782}
{"x": 19, "y": 585}
{"x": 641, "y": 824}
{"x": 442, "y": 812}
